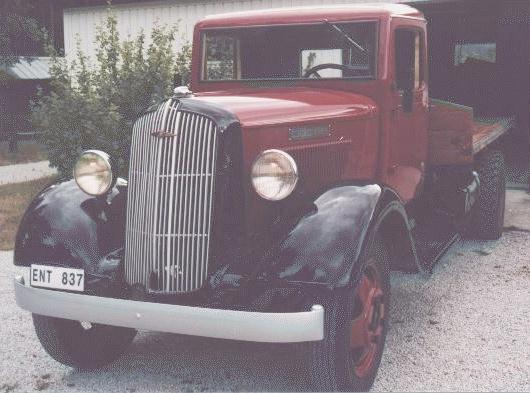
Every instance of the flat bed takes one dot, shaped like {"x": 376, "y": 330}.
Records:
{"x": 488, "y": 129}
{"x": 456, "y": 135}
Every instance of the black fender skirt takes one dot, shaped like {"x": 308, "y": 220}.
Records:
{"x": 63, "y": 226}
{"x": 324, "y": 246}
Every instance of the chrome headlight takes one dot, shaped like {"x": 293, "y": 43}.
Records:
{"x": 274, "y": 175}
{"x": 93, "y": 172}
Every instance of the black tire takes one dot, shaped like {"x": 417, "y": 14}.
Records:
{"x": 332, "y": 363}
{"x": 84, "y": 348}
{"x": 487, "y": 218}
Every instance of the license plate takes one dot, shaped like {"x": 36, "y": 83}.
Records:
{"x": 57, "y": 277}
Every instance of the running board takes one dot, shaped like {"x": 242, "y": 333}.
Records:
{"x": 433, "y": 241}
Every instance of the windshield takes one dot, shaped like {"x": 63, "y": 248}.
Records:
{"x": 326, "y": 50}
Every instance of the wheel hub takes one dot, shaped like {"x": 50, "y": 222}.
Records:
{"x": 367, "y": 325}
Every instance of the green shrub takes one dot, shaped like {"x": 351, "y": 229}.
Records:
{"x": 94, "y": 102}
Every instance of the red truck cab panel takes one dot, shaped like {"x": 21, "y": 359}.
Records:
{"x": 406, "y": 132}
{"x": 388, "y": 145}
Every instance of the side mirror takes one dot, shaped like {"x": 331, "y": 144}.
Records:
{"x": 408, "y": 100}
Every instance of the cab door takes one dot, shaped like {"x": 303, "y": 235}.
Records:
{"x": 408, "y": 117}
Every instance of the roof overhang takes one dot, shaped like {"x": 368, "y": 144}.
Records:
{"x": 28, "y": 68}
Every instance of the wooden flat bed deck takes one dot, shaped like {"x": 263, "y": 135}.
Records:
{"x": 488, "y": 130}
{"x": 456, "y": 135}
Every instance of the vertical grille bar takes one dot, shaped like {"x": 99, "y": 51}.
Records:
{"x": 170, "y": 200}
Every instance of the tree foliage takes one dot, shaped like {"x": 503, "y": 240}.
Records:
{"x": 20, "y": 32}
{"x": 94, "y": 101}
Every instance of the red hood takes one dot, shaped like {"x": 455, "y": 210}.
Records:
{"x": 263, "y": 107}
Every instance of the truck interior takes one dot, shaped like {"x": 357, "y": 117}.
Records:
{"x": 288, "y": 52}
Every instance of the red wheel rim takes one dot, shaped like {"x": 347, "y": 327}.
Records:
{"x": 368, "y": 323}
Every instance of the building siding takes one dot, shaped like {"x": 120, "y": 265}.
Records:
{"x": 80, "y": 23}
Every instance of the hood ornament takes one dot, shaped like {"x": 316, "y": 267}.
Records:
{"x": 182, "y": 92}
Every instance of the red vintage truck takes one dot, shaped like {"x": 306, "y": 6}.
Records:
{"x": 271, "y": 201}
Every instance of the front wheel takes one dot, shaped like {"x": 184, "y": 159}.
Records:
{"x": 356, "y": 319}
{"x": 81, "y": 345}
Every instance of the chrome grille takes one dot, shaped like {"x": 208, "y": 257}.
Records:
{"x": 170, "y": 199}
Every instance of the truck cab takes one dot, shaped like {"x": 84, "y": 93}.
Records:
{"x": 375, "y": 53}
{"x": 270, "y": 201}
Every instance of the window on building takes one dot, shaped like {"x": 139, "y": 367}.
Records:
{"x": 478, "y": 52}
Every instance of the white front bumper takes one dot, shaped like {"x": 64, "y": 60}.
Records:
{"x": 195, "y": 321}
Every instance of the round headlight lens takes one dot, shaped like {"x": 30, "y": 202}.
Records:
{"x": 274, "y": 175}
{"x": 93, "y": 172}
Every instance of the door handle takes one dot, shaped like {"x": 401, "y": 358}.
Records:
{"x": 392, "y": 169}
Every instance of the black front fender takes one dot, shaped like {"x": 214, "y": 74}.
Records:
{"x": 63, "y": 226}
{"x": 324, "y": 245}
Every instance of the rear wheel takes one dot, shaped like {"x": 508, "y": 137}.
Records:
{"x": 81, "y": 345}
{"x": 487, "y": 218}
{"x": 348, "y": 357}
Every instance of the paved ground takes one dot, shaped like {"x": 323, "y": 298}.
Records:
{"x": 465, "y": 328}
{"x": 25, "y": 172}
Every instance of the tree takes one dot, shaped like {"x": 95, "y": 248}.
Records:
{"x": 94, "y": 102}
{"x": 19, "y": 31}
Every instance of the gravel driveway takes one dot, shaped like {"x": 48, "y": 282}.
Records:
{"x": 465, "y": 328}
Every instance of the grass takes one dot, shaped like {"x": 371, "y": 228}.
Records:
{"x": 28, "y": 151}
{"x": 14, "y": 199}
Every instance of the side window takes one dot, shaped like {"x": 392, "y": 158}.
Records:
{"x": 221, "y": 60}
{"x": 408, "y": 59}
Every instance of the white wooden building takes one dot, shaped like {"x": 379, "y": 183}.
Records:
{"x": 82, "y": 21}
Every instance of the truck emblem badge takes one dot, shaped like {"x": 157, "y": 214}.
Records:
{"x": 309, "y": 132}
{"x": 163, "y": 134}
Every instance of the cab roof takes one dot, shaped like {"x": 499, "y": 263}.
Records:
{"x": 311, "y": 14}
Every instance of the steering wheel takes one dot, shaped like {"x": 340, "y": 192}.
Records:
{"x": 314, "y": 70}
